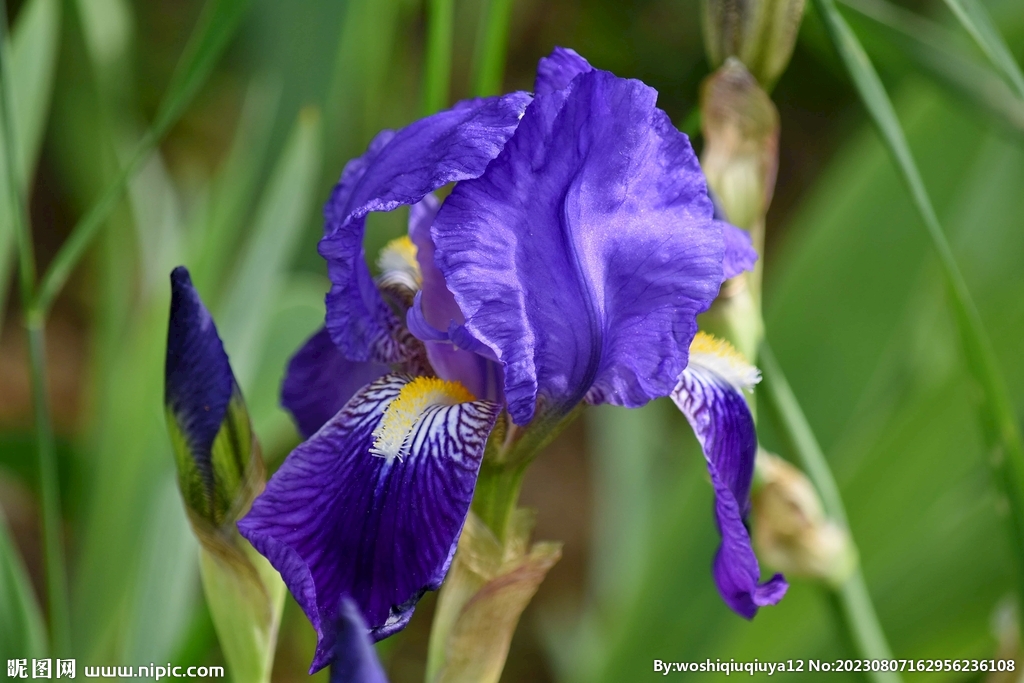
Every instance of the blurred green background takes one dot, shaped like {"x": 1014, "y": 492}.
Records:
{"x": 854, "y": 305}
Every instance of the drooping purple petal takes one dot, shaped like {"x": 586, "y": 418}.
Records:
{"x": 583, "y": 255}
{"x": 739, "y": 252}
{"x": 198, "y": 382}
{"x": 400, "y": 167}
{"x": 556, "y": 71}
{"x": 335, "y": 520}
{"x": 355, "y": 660}
{"x": 724, "y": 427}
{"x": 320, "y": 381}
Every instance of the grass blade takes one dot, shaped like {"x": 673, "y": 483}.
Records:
{"x": 976, "y": 21}
{"x": 998, "y": 415}
{"x": 438, "y": 67}
{"x": 245, "y": 311}
{"x": 854, "y": 600}
{"x": 491, "y": 46}
{"x": 209, "y": 39}
{"x": 215, "y": 238}
{"x": 33, "y": 58}
{"x": 22, "y": 631}
{"x": 928, "y": 46}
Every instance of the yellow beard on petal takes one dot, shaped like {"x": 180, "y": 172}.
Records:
{"x": 723, "y": 359}
{"x": 402, "y": 414}
{"x": 399, "y": 256}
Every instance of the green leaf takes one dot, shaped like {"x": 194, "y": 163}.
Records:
{"x": 22, "y": 630}
{"x": 215, "y": 231}
{"x": 976, "y": 21}
{"x": 209, "y": 39}
{"x": 243, "y": 314}
{"x": 438, "y": 68}
{"x": 34, "y": 46}
{"x": 998, "y": 417}
{"x": 491, "y": 46}
{"x": 905, "y": 37}
{"x": 166, "y": 585}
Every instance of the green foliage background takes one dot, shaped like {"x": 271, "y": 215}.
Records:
{"x": 855, "y": 312}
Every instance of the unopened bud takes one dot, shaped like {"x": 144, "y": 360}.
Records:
{"x": 760, "y": 33}
{"x": 485, "y": 593}
{"x": 791, "y": 531}
{"x": 220, "y": 472}
{"x": 741, "y": 137}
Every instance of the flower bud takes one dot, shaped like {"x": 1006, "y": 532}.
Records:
{"x": 741, "y": 131}
{"x": 760, "y": 33}
{"x": 741, "y": 137}
{"x": 487, "y": 589}
{"x": 791, "y": 532}
{"x": 220, "y": 472}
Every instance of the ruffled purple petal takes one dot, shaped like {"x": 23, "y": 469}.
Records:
{"x": 739, "y": 252}
{"x": 355, "y": 660}
{"x": 198, "y": 382}
{"x": 583, "y": 255}
{"x": 556, "y": 71}
{"x": 320, "y": 380}
{"x": 724, "y": 427}
{"x": 400, "y": 167}
{"x": 335, "y": 520}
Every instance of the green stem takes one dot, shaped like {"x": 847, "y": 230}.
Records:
{"x": 497, "y": 492}
{"x": 56, "y": 574}
{"x": 438, "y": 69}
{"x": 491, "y": 45}
{"x": 855, "y": 606}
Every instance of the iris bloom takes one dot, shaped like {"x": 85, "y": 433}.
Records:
{"x": 567, "y": 265}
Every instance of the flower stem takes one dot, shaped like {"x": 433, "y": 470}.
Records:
{"x": 438, "y": 68}
{"x": 497, "y": 492}
{"x": 56, "y": 574}
{"x": 491, "y": 45}
{"x": 852, "y": 597}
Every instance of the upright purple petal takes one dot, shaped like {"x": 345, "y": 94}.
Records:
{"x": 724, "y": 427}
{"x": 583, "y": 255}
{"x": 355, "y": 660}
{"x": 320, "y": 381}
{"x": 434, "y": 314}
{"x": 198, "y": 382}
{"x": 336, "y": 520}
{"x": 556, "y": 71}
{"x": 400, "y": 167}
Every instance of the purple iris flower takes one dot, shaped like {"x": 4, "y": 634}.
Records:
{"x": 567, "y": 265}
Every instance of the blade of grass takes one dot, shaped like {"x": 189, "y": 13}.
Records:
{"x": 33, "y": 54}
{"x": 282, "y": 214}
{"x": 22, "y": 630}
{"x": 854, "y": 600}
{"x": 491, "y": 45}
{"x": 215, "y": 239}
{"x": 56, "y": 572}
{"x": 208, "y": 41}
{"x": 929, "y": 47}
{"x": 438, "y": 68}
{"x": 998, "y": 415}
{"x": 976, "y": 21}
